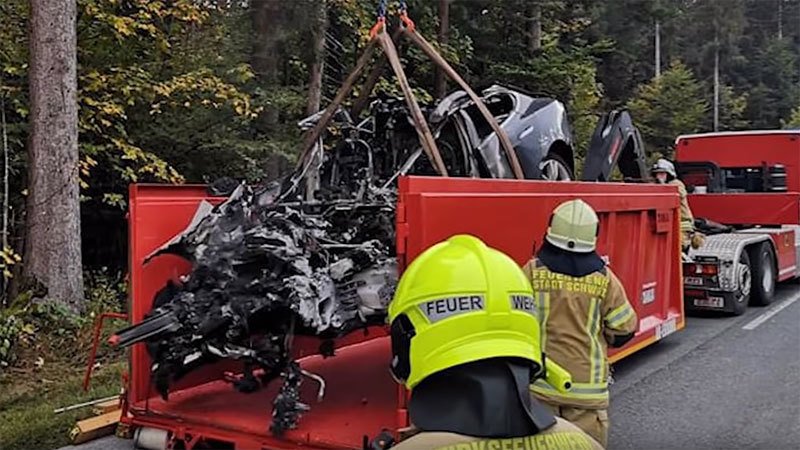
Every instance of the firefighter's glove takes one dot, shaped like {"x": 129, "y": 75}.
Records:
{"x": 698, "y": 239}
{"x": 615, "y": 340}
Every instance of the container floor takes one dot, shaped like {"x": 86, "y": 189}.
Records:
{"x": 360, "y": 400}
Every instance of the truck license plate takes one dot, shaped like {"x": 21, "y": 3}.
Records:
{"x": 693, "y": 281}
{"x": 710, "y": 302}
{"x": 665, "y": 329}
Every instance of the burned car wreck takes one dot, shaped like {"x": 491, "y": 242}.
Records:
{"x": 262, "y": 272}
{"x": 313, "y": 253}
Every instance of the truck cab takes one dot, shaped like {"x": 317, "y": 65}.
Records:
{"x": 744, "y": 188}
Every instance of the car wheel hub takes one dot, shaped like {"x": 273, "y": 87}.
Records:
{"x": 553, "y": 170}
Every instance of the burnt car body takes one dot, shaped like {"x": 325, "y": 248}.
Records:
{"x": 384, "y": 145}
{"x": 537, "y": 127}
{"x": 616, "y": 142}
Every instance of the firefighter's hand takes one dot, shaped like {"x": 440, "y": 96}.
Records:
{"x": 698, "y": 239}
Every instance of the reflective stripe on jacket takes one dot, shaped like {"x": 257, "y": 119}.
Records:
{"x": 577, "y": 315}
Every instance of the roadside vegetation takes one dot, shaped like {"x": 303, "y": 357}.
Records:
{"x": 43, "y": 354}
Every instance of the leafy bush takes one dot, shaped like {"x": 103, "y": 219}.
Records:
{"x": 13, "y": 329}
{"x": 32, "y": 330}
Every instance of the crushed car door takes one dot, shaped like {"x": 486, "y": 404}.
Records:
{"x": 616, "y": 142}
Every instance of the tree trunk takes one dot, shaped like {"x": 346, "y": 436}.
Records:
{"x": 440, "y": 81}
{"x": 268, "y": 24}
{"x": 658, "y": 48}
{"x": 534, "y": 27}
{"x": 317, "y": 65}
{"x": 52, "y": 257}
{"x": 716, "y": 87}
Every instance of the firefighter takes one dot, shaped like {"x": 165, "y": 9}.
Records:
{"x": 664, "y": 172}
{"x": 461, "y": 322}
{"x": 582, "y": 309}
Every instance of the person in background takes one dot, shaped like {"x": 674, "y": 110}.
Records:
{"x": 664, "y": 173}
{"x": 582, "y": 309}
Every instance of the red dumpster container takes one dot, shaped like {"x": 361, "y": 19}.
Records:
{"x": 639, "y": 235}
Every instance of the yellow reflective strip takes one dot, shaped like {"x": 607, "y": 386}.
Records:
{"x": 595, "y": 371}
{"x": 619, "y": 316}
{"x": 588, "y": 394}
{"x": 586, "y": 388}
{"x": 545, "y": 316}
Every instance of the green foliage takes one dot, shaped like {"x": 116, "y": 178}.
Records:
{"x": 53, "y": 331}
{"x": 13, "y": 331}
{"x": 732, "y": 109}
{"x": 774, "y": 77}
{"x": 668, "y": 106}
{"x": 794, "y": 119}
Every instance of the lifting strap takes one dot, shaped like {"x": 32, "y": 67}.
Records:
{"x": 379, "y": 37}
{"x": 442, "y": 63}
{"x": 420, "y": 124}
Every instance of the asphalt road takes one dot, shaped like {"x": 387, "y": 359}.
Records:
{"x": 721, "y": 383}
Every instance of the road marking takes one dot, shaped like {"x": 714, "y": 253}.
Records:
{"x": 767, "y": 315}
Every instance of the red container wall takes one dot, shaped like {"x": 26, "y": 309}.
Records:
{"x": 638, "y": 233}
{"x": 157, "y": 213}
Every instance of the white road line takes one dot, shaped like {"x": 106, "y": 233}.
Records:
{"x": 767, "y": 315}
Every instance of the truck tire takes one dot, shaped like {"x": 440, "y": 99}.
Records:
{"x": 762, "y": 264}
{"x": 741, "y": 297}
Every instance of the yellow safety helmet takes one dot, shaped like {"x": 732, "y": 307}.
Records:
{"x": 461, "y": 301}
{"x": 574, "y": 227}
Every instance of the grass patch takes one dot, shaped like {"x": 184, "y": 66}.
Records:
{"x": 28, "y": 398}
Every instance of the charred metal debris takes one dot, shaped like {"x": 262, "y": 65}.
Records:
{"x": 313, "y": 254}
{"x": 264, "y": 270}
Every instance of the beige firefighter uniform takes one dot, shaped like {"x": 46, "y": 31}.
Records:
{"x": 687, "y": 220}
{"x": 578, "y": 317}
{"x": 561, "y": 436}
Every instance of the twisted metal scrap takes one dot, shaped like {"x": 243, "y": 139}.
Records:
{"x": 263, "y": 271}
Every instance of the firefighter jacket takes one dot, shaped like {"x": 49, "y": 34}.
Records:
{"x": 687, "y": 220}
{"x": 561, "y": 436}
{"x": 579, "y": 316}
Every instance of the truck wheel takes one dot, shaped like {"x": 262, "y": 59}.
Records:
{"x": 764, "y": 274}
{"x": 742, "y": 295}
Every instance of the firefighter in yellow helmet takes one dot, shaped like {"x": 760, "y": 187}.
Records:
{"x": 465, "y": 341}
{"x": 664, "y": 173}
{"x": 583, "y": 309}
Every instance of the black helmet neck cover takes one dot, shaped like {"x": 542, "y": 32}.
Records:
{"x": 570, "y": 263}
{"x": 488, "y": 398}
